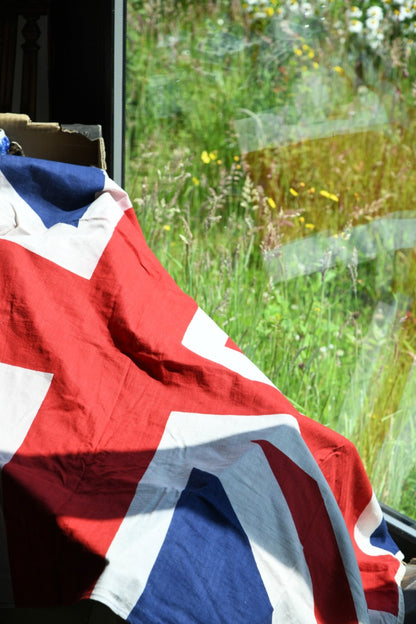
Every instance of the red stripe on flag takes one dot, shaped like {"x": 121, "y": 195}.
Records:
{"x": 332, "y": 594}
{"x": 231, "y": 345}
{"x": 343, "y": 469}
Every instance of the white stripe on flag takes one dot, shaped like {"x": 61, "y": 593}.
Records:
{"x": 77, "y": 249}
{"x": 206, "y": 339}
{"x": 22, "y": 392}
{"x": 267, "y": 521}
{"x": 287, "y": 441}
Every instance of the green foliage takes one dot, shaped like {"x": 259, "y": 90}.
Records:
{"x": 248, "y": 135}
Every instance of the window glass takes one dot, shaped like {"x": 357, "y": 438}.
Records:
{"x": 270, "y": 156}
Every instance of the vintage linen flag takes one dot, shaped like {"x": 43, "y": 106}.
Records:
{"x": 146, "y": 462}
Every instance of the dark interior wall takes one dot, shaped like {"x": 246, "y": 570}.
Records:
{"x": 73, "y": 74}
{"x": 82, "y": 57}
{"x": 81, "y": 63}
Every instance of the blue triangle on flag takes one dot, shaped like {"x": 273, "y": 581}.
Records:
{"x": 205, "y": 571}
{"x": 381, "y": 538}
{"x": 57, "y": 192}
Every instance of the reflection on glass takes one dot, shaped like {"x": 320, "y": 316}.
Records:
{"x": 270, "y": 147}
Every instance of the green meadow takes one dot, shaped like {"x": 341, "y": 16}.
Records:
{"x": 270, "y": 159}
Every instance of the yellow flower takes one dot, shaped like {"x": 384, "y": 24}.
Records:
{"x": 311, "y": 190}
{"x": 238, "y": 167}
{"x": 297, "y": 51}
{"x": 270, "y": 11}
{"x": 311, "y": 54}
{"x": 236, "y": 158}
{"x": 166, "y": 227}
{"x": 301, "y": 219}
{"x": 315, "y": 65}
{"x": 310, "y": 226}
{"x": 213, "y": 155}
{"x": 302, "y": 184}
{"x": 205, "y": 158}
{"x": 305, "y": 47}
{"x": 219, "y": 162}
{"x": 338, "y": 69}
{"x": 271, "y": 202}
{"x": 293, "y": 192}
{"x": 329, "y": 195}
{"x": 195, "y": 181}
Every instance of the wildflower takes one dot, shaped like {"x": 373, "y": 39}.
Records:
{"x": 354, "y": 12}
{"x": 311, "y": 190}
{"x": 213, "y": 155}
{"x": 195, "y": 181}
{"x": 219, "y": 162}
{"x": 294, "y": 6}
{"x": 307, "y": 9}
{"x": 302, "y": 220}
{"x": 375, "y": 39}
{"x": 315, "y": 65}
{"x": 271, "y": 202}
{"x": 329, "y": 195}
{"x": 298, "y": 51}
{"x": 236, "y": 158}
{"x": 166, "y": 227}
{"x": 404, "y": 13}
{"x": 311, "y": 54}
{"x": 310, "y": 226}
{"x": 270, "y": 11}
{"x": 293, "y": 192}
{"x": 205, "y": 157}
{"x": 355, "y": 26}
{"x": 338, "y": 69}
{"x": 375, "y": 12}
{"x": 302, "y": 184}
{"x": 372, "y": 23}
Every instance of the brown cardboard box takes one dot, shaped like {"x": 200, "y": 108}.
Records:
{"x": 50, "y": 141}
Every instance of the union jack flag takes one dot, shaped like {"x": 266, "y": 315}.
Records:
{"x": 146, "y": 462}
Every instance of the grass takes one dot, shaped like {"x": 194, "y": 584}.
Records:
{"x": 260, "y": 161}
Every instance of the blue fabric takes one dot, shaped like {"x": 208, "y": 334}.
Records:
{"x": 381, "y": 538}
{"x": 205, "y": 571}
{"x": 57, "y": 192}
